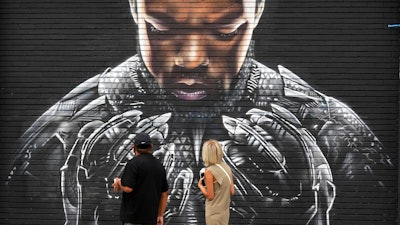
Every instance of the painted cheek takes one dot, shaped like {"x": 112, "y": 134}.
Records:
{"x": 158, "y": 59}
{"x": 229, "y": 60}
{"x": 223, "y": 71}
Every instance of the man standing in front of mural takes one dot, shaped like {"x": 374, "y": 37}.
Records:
{"x": 144, "y": 186}
{"x": 293, "y": 151}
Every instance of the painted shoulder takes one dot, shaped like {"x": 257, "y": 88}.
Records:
{"x": 339, "y": 131}
{"x": 86, "y": 102}
{"x": 286, "y": 91}
{"x": 283, "y": 83}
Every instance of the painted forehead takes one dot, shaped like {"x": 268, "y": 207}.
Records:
{"x": 208, "y": 11}
{"x": 195, "y": 3}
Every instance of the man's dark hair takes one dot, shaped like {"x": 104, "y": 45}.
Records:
{"x": 147, "y": 150}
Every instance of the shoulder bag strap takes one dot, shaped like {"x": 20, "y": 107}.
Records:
{"x": 224, "y": 172}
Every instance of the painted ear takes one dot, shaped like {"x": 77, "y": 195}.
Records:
{"x": 133, "y": 5}
{"x": 259, "y": 11}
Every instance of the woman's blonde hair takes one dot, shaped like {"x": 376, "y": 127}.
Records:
{"x": 212, "y": 152}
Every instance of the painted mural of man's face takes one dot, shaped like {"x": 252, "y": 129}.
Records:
{"x": 195, "y": 48}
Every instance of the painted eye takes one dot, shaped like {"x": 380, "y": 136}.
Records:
{"x": 228, "y": 36}
{"x": 154, "y": 30}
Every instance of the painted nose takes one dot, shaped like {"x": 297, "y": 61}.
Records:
{"x": 193, "y": 53}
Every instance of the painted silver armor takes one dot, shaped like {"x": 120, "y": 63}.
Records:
{"x": 279, "y": 136}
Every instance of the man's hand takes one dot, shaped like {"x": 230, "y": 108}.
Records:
{"x": 117, "y": 184}
{"x": 160, "y": 220}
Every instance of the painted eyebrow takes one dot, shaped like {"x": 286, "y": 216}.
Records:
{"x": 159, "y": 17}
{"x": 228, "y": 18}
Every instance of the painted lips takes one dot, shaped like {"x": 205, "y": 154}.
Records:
{"x": 190, "y": 96}
{"x": 190, "y": 87}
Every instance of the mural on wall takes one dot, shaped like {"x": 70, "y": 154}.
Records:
{"x": 294, "y": 151}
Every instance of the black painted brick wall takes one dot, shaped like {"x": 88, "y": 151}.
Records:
{"x": 343, "y": 48}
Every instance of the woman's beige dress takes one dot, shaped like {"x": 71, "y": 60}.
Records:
{"x": 217, "y": 210}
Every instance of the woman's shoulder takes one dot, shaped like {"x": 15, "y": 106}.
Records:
{"x": 224, "y": 165}
{"x": 218, "y": 166}
{"x": 211, "y": 167}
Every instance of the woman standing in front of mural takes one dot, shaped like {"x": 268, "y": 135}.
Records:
{"x": 218, "y": 184}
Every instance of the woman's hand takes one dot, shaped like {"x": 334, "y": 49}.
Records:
{"x": 200, "y": 183}
{"x": 208, "y": 190}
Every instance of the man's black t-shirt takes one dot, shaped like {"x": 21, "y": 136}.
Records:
{"x": 146, "y": 176}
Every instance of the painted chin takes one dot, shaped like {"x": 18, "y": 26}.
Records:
{"x": 190, "y": 96}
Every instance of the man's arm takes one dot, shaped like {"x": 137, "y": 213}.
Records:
{"x": 118, "y": 186}
{"x": 162, "y": 207}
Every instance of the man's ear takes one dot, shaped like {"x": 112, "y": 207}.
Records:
{"x": 133, "y": 5}
{"x": 259, "y": 11}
